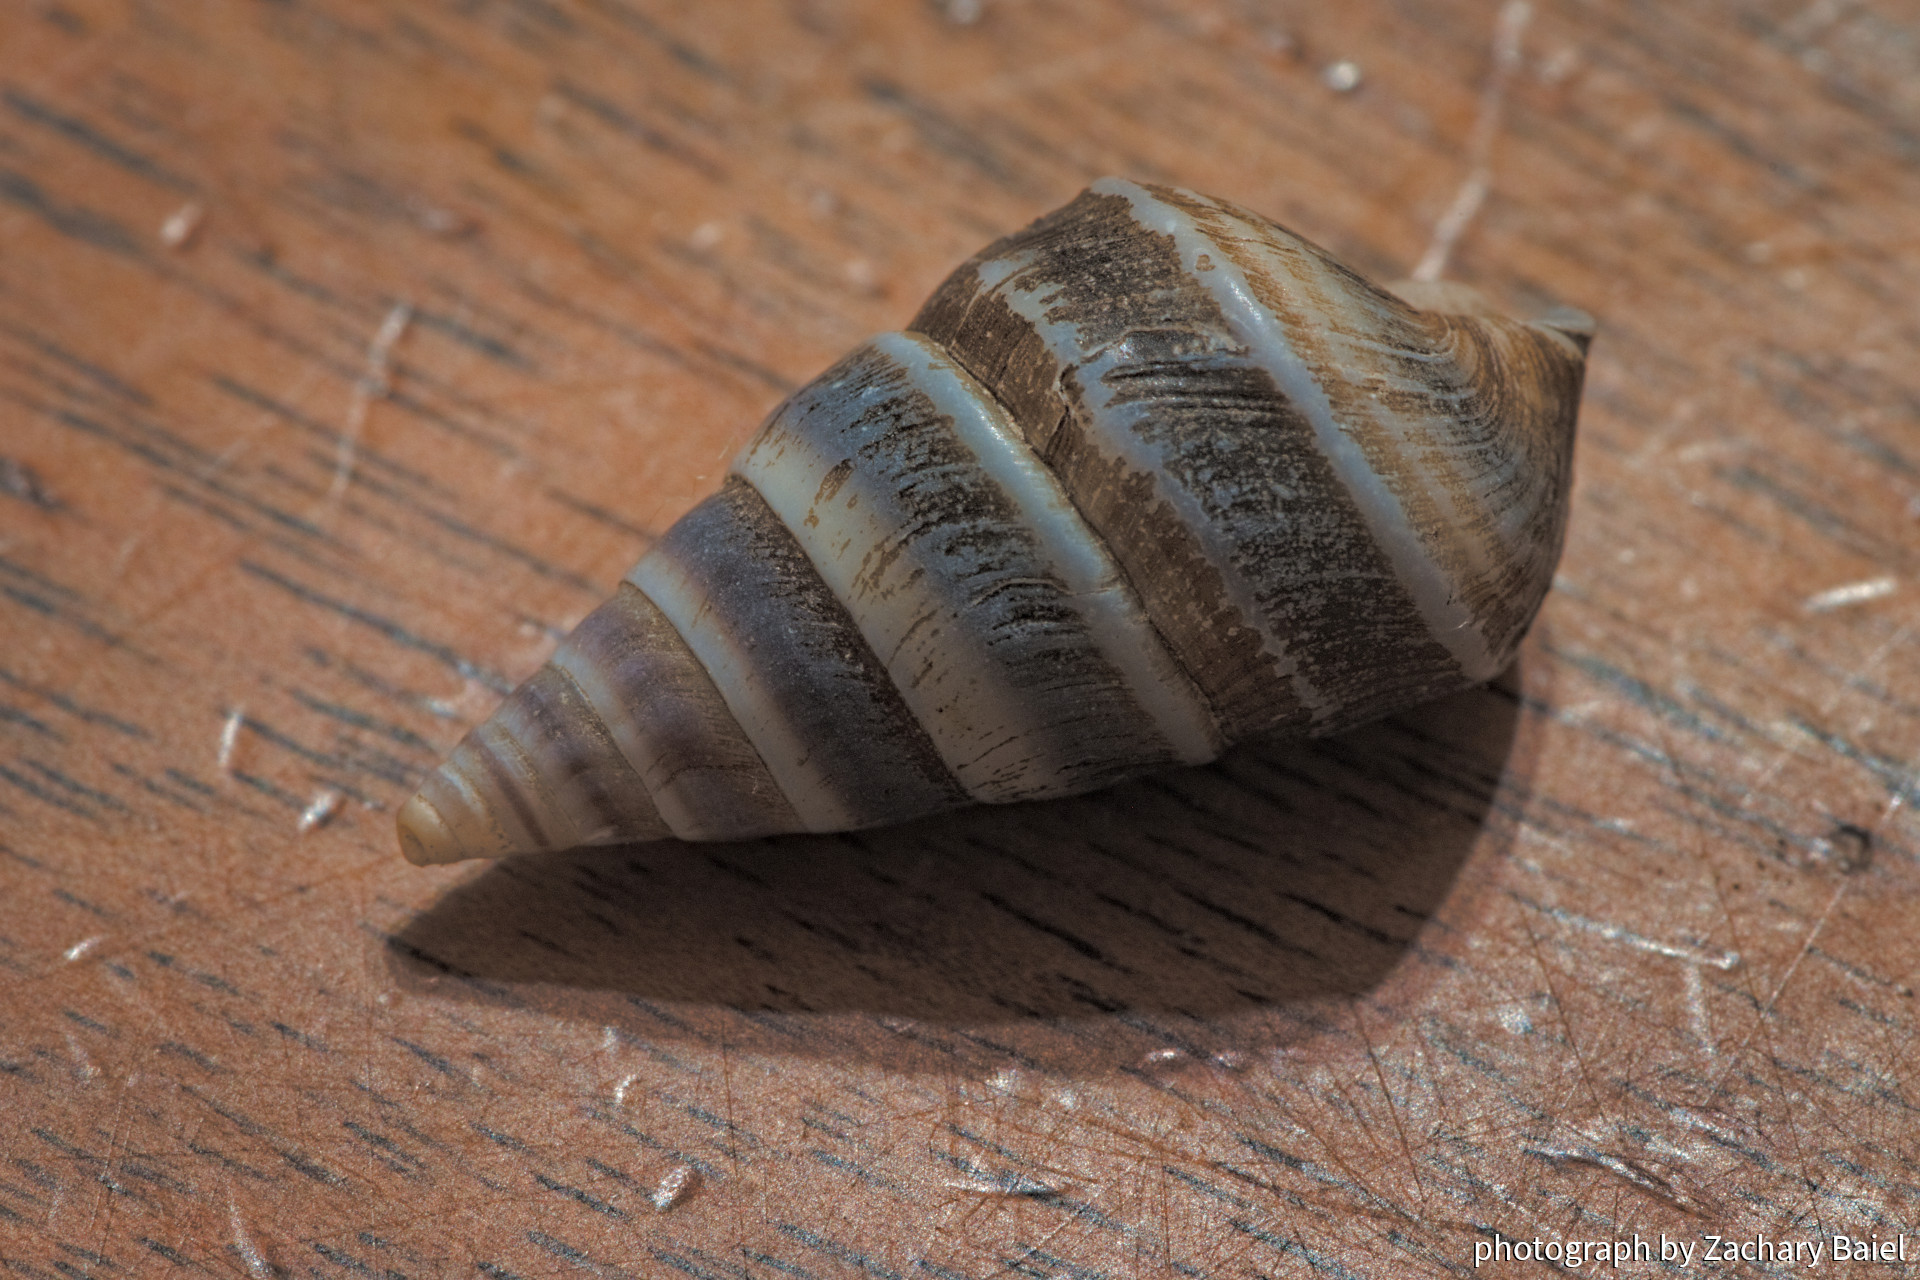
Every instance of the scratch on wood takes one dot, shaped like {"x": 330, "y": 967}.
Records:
{"x": 1507, "y": 30}
{"x": 374, "y": 384}
{"x": 1894, "y": 643}
{"x": 1696, "y": 991}
{"x": 257, "y": 1265}
{"x": 230, "y": 737}
{"x": 1766, "y": 1010}
{"x": 320, "y": 811}
{"x": 1851, "y": 594}
{"x": 1343, "y": 76}
{"x": 1643, "y": 1179}
{"x": 1723, "y": 960}
{"x": 84, "y": 1072}
{"x": 1566, "y": 1023}
{"x": 181, "y": 225}
{"x": 1393, "y": 1108}
{"x": 680, "y": 1182}
{"x": 1005, "y": 1184}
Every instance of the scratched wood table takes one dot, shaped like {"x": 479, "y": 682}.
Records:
{"x": 350, "y": 353}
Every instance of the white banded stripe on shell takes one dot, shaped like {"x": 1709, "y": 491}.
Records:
{"x": 1004, "y": 624}
{"x": 542, "y": 773}
{"x": 1162, "y": 412}
{"x": 671, "y": 724}
{"x": 795, "y": 673}
{"x": 1348, "y": 373}
{"x": 620, "y": 736}
{"x": 451, "y": 813}
{"x": 576, "y": 772}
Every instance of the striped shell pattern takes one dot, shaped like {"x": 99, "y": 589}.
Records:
{"x": 1145, "y": 479}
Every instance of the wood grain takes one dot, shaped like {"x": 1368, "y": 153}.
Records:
{"x": 1622, "y": 945}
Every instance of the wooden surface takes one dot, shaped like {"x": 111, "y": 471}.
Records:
{"x": 1625, "y": 944}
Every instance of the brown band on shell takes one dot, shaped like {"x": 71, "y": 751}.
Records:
{"x": 1143, "y": 364}
{"x": 511, "y": 782}
{"x": 1527, "y": 380}
{"x": 804, "y": 686}
{"x": 671, "y": 724}
{"x": 995, "y": 343}
{"x": 1431, "y": 426}
{"x": 1221, "y": 647}
{"x": 950, "y": 565}
{"x": 577, "y": 763}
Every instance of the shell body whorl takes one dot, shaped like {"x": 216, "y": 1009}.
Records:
{"x": 1147, "y": 478}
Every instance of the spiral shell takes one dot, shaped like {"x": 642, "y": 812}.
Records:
{"x": 1145, "y": 479}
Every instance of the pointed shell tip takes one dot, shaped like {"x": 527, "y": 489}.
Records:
{"x": 424, "y": 837}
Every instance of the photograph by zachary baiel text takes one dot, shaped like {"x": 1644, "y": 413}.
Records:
{"x": 1667, "y": 1252}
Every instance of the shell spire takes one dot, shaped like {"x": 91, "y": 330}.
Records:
{"x": 1147, "y": 478}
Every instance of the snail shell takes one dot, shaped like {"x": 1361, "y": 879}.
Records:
{"x": 1145, "y": 479}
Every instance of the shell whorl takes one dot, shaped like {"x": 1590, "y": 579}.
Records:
{"x": 1145, "y": 479}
